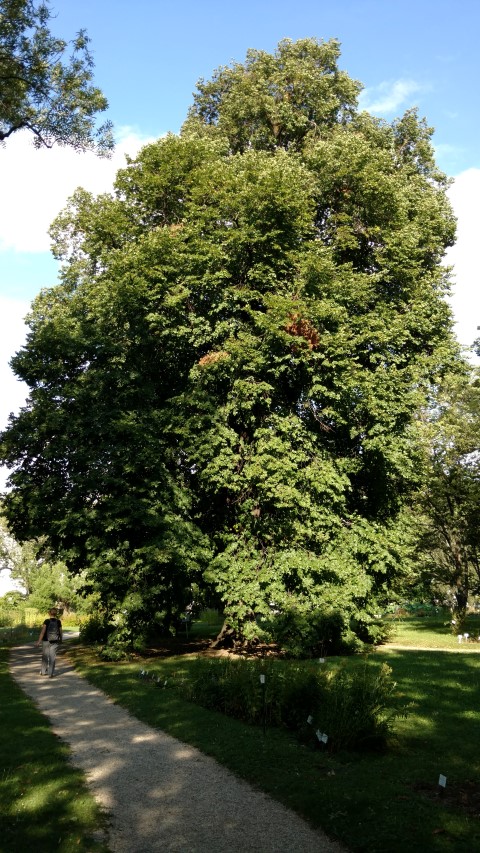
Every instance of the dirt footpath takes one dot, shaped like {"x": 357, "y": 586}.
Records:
{"x": 161, "y": 795}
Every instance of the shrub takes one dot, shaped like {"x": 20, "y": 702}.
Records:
{"x": 8, "y": 617}
{"x": 120, "y": 643}
{"x": 353, "y": 706}
{"x": 358, "y": 708}
{"x": 114, "y": 652}
{"x": 95, "y": 630}
{"x": 372, "y": 631}
{"x": 311, "y": 634}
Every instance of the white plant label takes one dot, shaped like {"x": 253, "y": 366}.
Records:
{"x": 442, "y": 781}
{"x": 262, "y": 679}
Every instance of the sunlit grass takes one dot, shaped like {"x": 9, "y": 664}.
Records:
{"x": 435, "y": 632}
{"x": 371, "y": 802}
{"x": 44, "y": 802}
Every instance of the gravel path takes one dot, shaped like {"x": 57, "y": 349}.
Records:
{"x": 161, "y": 795}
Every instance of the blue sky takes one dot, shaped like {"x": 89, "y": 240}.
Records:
{"x": 148, "y": 57}
{"x": 149, "y": 54}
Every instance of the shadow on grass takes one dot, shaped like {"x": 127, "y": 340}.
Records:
{"x": 44, "y": 803}
{"x": 440, "y": 625}
{"x": 373, "y": 803}
{"x": 443, "y": 690}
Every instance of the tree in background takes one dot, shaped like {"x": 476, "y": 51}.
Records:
{"x": 224, "y": 385}
{"x": 41, "y": 89}
{"x": 19, "y": 559}
{"x": 46, "y": 583}
{"x": 449, "y": 497}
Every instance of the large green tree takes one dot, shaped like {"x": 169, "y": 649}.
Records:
{"x": 42, "y": 88}
{"x": 224, "y": 384}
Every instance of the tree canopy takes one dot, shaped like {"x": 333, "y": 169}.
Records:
{"x": 224, "y": 385}
{"x": 42, "y": 89}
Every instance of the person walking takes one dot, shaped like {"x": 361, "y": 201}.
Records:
{"x": 50, "y": 637}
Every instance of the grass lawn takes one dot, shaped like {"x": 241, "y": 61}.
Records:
{"x": 44, "y": 802}
{"x": 371, "y": 802}
{"x": 435, "y": 632}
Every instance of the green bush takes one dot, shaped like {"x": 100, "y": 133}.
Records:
{"x": 311, "y": 634}
{"x": 119, "y": 644}
{"x": 95, "y": 630}
{"x": 354, "y": 707}
{"x": 7, "y": 617}
{"x": 114, "y": 652}
{"x": 359, "y": 707}
{"x": 117, "y": 640}
{"x": 372, "y": 631}
{"x": 72, "y": 620}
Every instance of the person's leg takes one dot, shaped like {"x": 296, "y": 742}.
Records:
{"x": 45, "y": 656}
{"x": 53, "y": 657}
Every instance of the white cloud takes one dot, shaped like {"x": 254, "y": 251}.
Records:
{"x": 36, "y": 184}
{"x": 7, "y": 584}
{"x": 12, "y": 337}
{"x": 388, "y": 96}
{"x": 465, "y": 198}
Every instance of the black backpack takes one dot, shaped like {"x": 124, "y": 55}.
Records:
{"x": 53, "y": 631}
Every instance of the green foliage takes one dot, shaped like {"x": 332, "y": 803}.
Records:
{"x": 353, "y": 706}
{"x": 120, "y": 637}
{"x": 118, "y": 650}
{"x": 224, "y": 385}
{"x": 6, "y": 616}
{"x": 357, "y": 708}
{"x": 43, "y": 798}
{"x": 11, "y": 612}
{"x": 367, "y": 801}
{"x": 95, "y": 629}
{"x": 12, "y": 600}
{"x": 44, "y": 90}
{"x": 448, "y": 533}
{"x": 46, "y": 581}
{"x": 300, "y": 634}
{"x": 276, "y": 100}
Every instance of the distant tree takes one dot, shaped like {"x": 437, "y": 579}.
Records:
{"x": 43, "y": 90}
{"x": 54, "y": 586}
{"x": 449, "y": 497}
{"x": 46, "y": 582}
{"x": 12, "y": 600}
{"x": 224, "y": 386}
